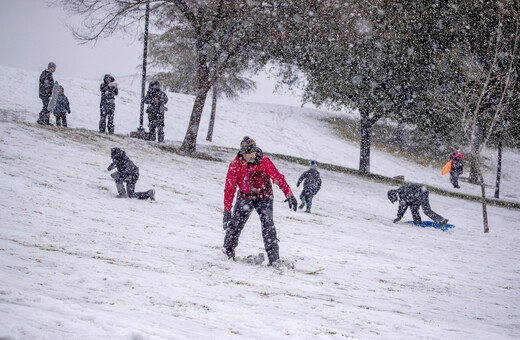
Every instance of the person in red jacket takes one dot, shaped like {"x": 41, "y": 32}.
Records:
{"x": 457, "y": 167}
{"x": 252, "y": 172}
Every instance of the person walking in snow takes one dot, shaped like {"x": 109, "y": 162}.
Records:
{"x": 127, "y": 173}
{"x": 252, "y": 172}
{"x": 457, "y": 167}
{"x": 62, "y": 108}
{"x": 109, "y": 90}
{"x": 414, "y": 196}
{"x": 311, "y": 185}
{"x": 45, "y": 90}
{"x": 156, "y": 99}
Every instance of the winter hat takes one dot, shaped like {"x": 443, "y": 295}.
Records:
{"x": 392, "y": 195}
{"x": 51, "y": 65}
{"x": 247, "y": 145}
{"x": 109, "y": 77}
{"x": 313, "y": 165}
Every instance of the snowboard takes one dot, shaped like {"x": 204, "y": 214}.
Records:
{"x": 430, "y": 224}
{"x": 310, "y": 272}
{"x": 54, "y": 97}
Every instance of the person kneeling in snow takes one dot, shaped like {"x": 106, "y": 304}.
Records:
{"x": 414, "y": 196}
{"x": 129, "y": 173}
{"x": 253, "y": 172}
{"x": 311, "y": 185}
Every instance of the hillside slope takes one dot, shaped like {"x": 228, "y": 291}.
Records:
{"x": 77, "y": 263}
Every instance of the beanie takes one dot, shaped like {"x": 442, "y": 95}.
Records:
{"x": 247, "y": 145}
{"x": 313, "y": 165}
{"x": 51, "y": 65}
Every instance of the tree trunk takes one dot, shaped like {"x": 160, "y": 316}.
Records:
{"x": 189, "y": 145}
{"x": 209, "y": 136}
{"x": 366, "y": 139}
{"x": 499, "y": 168}
{"x": 475, "y": 145}
{"x": 483, "y": 191}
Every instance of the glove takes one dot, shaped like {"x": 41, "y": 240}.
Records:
{"x": 226, "y": 219}
{"x": 292, "y": 202}
{"x": 397, "y": 220}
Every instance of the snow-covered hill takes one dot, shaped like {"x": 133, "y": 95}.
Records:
{"x": 77, "y": 263}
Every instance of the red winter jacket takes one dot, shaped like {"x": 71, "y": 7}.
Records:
{"x": 253, "y": 180}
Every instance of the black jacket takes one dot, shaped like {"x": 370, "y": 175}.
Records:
{"x": 411, "y": 195}
{"x": 156, "y": 107}
{"x": 46, "y": 84}
{"x": 124, "y": 165}
{"x": 312, "y": 180}
{"x": 108, "y": 93}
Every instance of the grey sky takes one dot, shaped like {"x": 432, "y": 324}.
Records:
{"x": 32, "y": 34}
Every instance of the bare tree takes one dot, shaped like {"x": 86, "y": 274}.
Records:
{"x": 487, "y": 90}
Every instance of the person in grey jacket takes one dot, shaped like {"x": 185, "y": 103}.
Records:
{"x": 414, "y": 196}
{"x": 127, "y": 173}
{"x": 311, "y": 185}
{"x": 45, "y": 92}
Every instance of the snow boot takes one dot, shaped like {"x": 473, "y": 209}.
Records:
{"x": 120, "y": 189}
{"x": 281, "y": 264}
{"x": 303, "y": 203}
{"x": 444, "y": 222}
{"x": 308, "y": 210}
{"x": 151, "y": 194}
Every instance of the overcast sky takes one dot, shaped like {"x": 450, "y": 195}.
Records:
{"x": 32, "y": 34}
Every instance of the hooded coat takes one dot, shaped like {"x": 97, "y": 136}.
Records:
{"x": 46, "y": 84}
{"x": 108, "y": 93}
{"x": 253, "y": 179}
{"x": 126, "y": 168}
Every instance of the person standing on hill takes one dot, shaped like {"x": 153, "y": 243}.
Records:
{"x": 311, "y": 185}
{"x": 127, "y": 173}
{"x": 414, "y": 196}
{"x": 45, "y": 90}
{"x": 252, "y": 172}
{"x": 457, "y": 167}
{"x": 62, "y": 108}
{"x": 156, "y": 99}
{"x": 109, "y": 90}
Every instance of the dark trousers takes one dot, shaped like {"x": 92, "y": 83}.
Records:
{"x": 241, "y": 213}
{"x": 424, "y": 203}
{"x": 156, "y": 123}
{"x": 61, "y": 118}
{"x": 454, "y": 178}
{"x": 130, "y": 186}
{"x": 107, "y": 112}
{"x": 45, "y": 114}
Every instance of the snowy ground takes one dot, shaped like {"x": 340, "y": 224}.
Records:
{"x": 77, "y": 263}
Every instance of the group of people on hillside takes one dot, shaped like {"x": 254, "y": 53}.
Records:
{"x": 251, "y": 171}
{"x": 155, "y": 98}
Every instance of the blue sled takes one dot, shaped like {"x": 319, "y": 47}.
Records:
{"x": 431, "y": 225}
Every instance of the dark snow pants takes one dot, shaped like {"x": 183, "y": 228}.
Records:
{"x": 306, "y": 196}
{"x": 156, "y": 121}
{"x": 241, "y": 213}
{"x": 61, "y": 118}
{"x": 130, "y": 186}
{"x": 454, "y": 178}
{"x": 424, "y": 202}
{"x": 107, "y": 111}
{"x": 44, "y": 116}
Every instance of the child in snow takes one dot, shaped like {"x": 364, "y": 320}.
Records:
{"x": 129, "y": 173}
{"x": 252, "y": 172}
{"x": 311, "y": 185}
{"x": 457, "y": 167}
{"x": 414, "y": 196}
{"x": 156, "y": 99}
{"x": 62, "y": 108}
